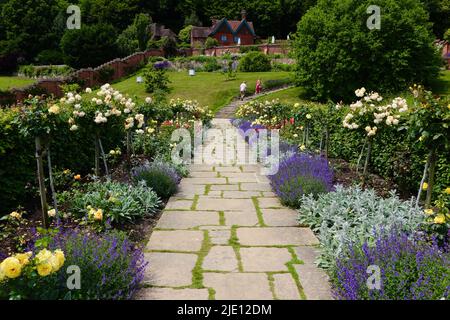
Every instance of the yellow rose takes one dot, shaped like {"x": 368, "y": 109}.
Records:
{"x": 98, "y": 215}
{"x": 24, "y": 258}
{"x": 15, "y": 215}
{"x": 52, "y": 213}
{"x": 447, "y": 190}
{"x": 425, "y": 186}
{"x": 44, "y": 269}
{"x": 60, "y": 257}
{"x": 429, "y": 211}
{"x": 54, "y": 109}
{"x": 43, "y": 256}
{"x": 77, "y": 177}
{"x": 67, "y": 171}
{"x": 440, "y": 219}
{"x": 11, "y": 267}
{"x": 302, "y": 147}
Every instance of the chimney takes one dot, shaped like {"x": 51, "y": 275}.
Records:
{"x": 243, "y": 14}
{"x": 213, "y": 20}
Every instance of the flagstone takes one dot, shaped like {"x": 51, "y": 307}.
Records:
{"x": 225, "y": 204}
{"x": 241, "y": 218}
{"x": 176, "y": 240}
{"x": 225, "y": 187}
{"x": 280, "y": 217}
{"x": 205, "y": 180}
{"x": 314, "y": 281}
{"x": 307, "y": 254}
{"x": 228, "y": 169}
{"x": 187, "y": 219}
{"x": 266, "y": 202}
{"x": 285, "y": 287}
{"x": 203, "y": 174}
{"x": 241, "y": 194}
{"x": 238, "y": 286}
{"x": 169, "y": 269}
{"x": 219, "y": 236}
{"x": 179, "y": 205}
{"x": 276, "y": 236}
{"x": 221, "y": 258}
{"x": 264, "y": 259}
{"x": 255, "y": 187}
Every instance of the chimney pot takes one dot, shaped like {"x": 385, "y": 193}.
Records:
{"x": 244, "y": 14}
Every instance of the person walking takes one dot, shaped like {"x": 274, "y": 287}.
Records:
{"x": 258, "y": 87}
{"x": 243, "y": 89}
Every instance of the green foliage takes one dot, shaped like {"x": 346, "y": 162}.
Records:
{"x": 447, "y": 35}
{"x": 136, "y": 36}
{"x": 385, "y": 60}
{"x": 156, "y": 80}
{"x": 352, "y": 215}
{"x": 48, "y": 57}
{"x": 271, "y": 84}
{"x": 120, "y": 202}
{"x": 185, "y": 34}
{"x": 254, "y": 62}
{"x": 89, "y": 46}
{"x": 211, "y": 43}
{"x": 308, "y": 185}
{"x": 246, "y": 49}
{"x": 32, "y": 71}
{"x": 158, "y": 179}
{"x": 105, "y": 74}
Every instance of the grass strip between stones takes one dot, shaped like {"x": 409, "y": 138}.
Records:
{"x": 194, "y": 202}
{"x": 234, "y": 242}
{"x": 197, "y": 272}
{"x": 207, "y": 189}
{"x": 271, "y": 280}
{"x": 259, "y": 212}
{"x": 293, "y": 272}
{"x": 221, "y": 218}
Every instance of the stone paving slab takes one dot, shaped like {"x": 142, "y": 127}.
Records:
{"x": 238, "y": 286}
{"x": 314, "y": 281}
{"x": 169, "y": 269}
{"x": 280, "y": 217}
{"x": 179, "y": 205}
{"x": 285, "y": 287}
{"x": 171, "y": 294}
{"x": 265, "y": 259}
{"x": 255, "y": 187}
{"x": 241, "y": 218}
{"x": 241, "y": 194}
{"x": 307, "y": 254}
{"x": 224, "y": 187}
{"x": 269, "y": 203}
{"x": 276, "y": 236}
{"x": 205, "y": 180}
{"x": 200, "y": 167}
{"x": 176, "y": 240}
{"x": 219, "y": 236}
{"x": 221, "y": 258}
{"x": 228, "y": 169}
{"x": 187, "y": 219}
{"x": 225, "y": 204}
{"x": 203, "y": 174}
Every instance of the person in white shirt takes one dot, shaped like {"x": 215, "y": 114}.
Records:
{"x": 243, "y": 89}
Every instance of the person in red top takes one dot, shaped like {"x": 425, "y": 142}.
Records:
{"x": 258, "y": 87}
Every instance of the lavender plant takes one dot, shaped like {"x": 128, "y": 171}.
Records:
{"x": 161, "y": 177}
{"x": 301, "y": 174}
{"x": 111, "y": 266}
{"x": 410, "y": 268}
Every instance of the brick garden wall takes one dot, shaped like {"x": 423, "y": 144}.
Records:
{"x": 89, "y": 77}
{"x": 219, "y": 51}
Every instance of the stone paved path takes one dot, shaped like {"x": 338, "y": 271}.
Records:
{"x": 225, "y": 235}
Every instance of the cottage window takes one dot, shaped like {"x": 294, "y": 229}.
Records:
{"x": 237, "y": 40}
{"x": 223, "y": 37}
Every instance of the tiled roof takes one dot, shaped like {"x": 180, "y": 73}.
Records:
{"x": 200, "y": 32}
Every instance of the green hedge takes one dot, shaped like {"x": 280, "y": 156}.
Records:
{"x": 18, "y": 166}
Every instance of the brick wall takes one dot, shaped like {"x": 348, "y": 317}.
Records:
{"x": 219, "y": 51}
{"x": 89, "y": 77}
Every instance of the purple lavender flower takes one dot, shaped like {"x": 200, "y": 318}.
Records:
{"x": 411, "y": 267}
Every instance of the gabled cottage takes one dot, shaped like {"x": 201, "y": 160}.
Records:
{"x": 227, "y": 32}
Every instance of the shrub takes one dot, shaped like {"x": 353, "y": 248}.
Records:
{"x": 352, "y": 215}
{"x": 50, "y": 57}
{"x": 385, "y": 60}
{"x": 156, "y": 79}
{"x": 254, "y": 62}
{"x": 111, "y": 267}
{"x": 411, "y": 269}
{"x": 301, "y": 174}
{"x": 210, "y": 43}
{"x": 246, "y": 49}
{"x": 119, "y": 202}
{"x": 277, "y": 83}
{"x": 159, "y": 176}
{"x": 185, "y": 34}
{"x": 89, "y": 46}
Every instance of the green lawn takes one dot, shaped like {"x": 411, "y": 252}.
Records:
{"x": 14, "y": 82}
{"x": 291, "y": 95}
{"x": 442, "y": 85}
{"x": 208, "y": 88}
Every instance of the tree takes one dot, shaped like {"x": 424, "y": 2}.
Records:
{"x": 337, "y": 53}
{"x": 185, "y": 34}
{"x": 192, "y": 20}
{"x": 89, "y": 46}
{"x": 447, "y": 35}
{"x": 439, "y": 11}
{"x": 211, "y": 43}
{"x": 136, "y": 36}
